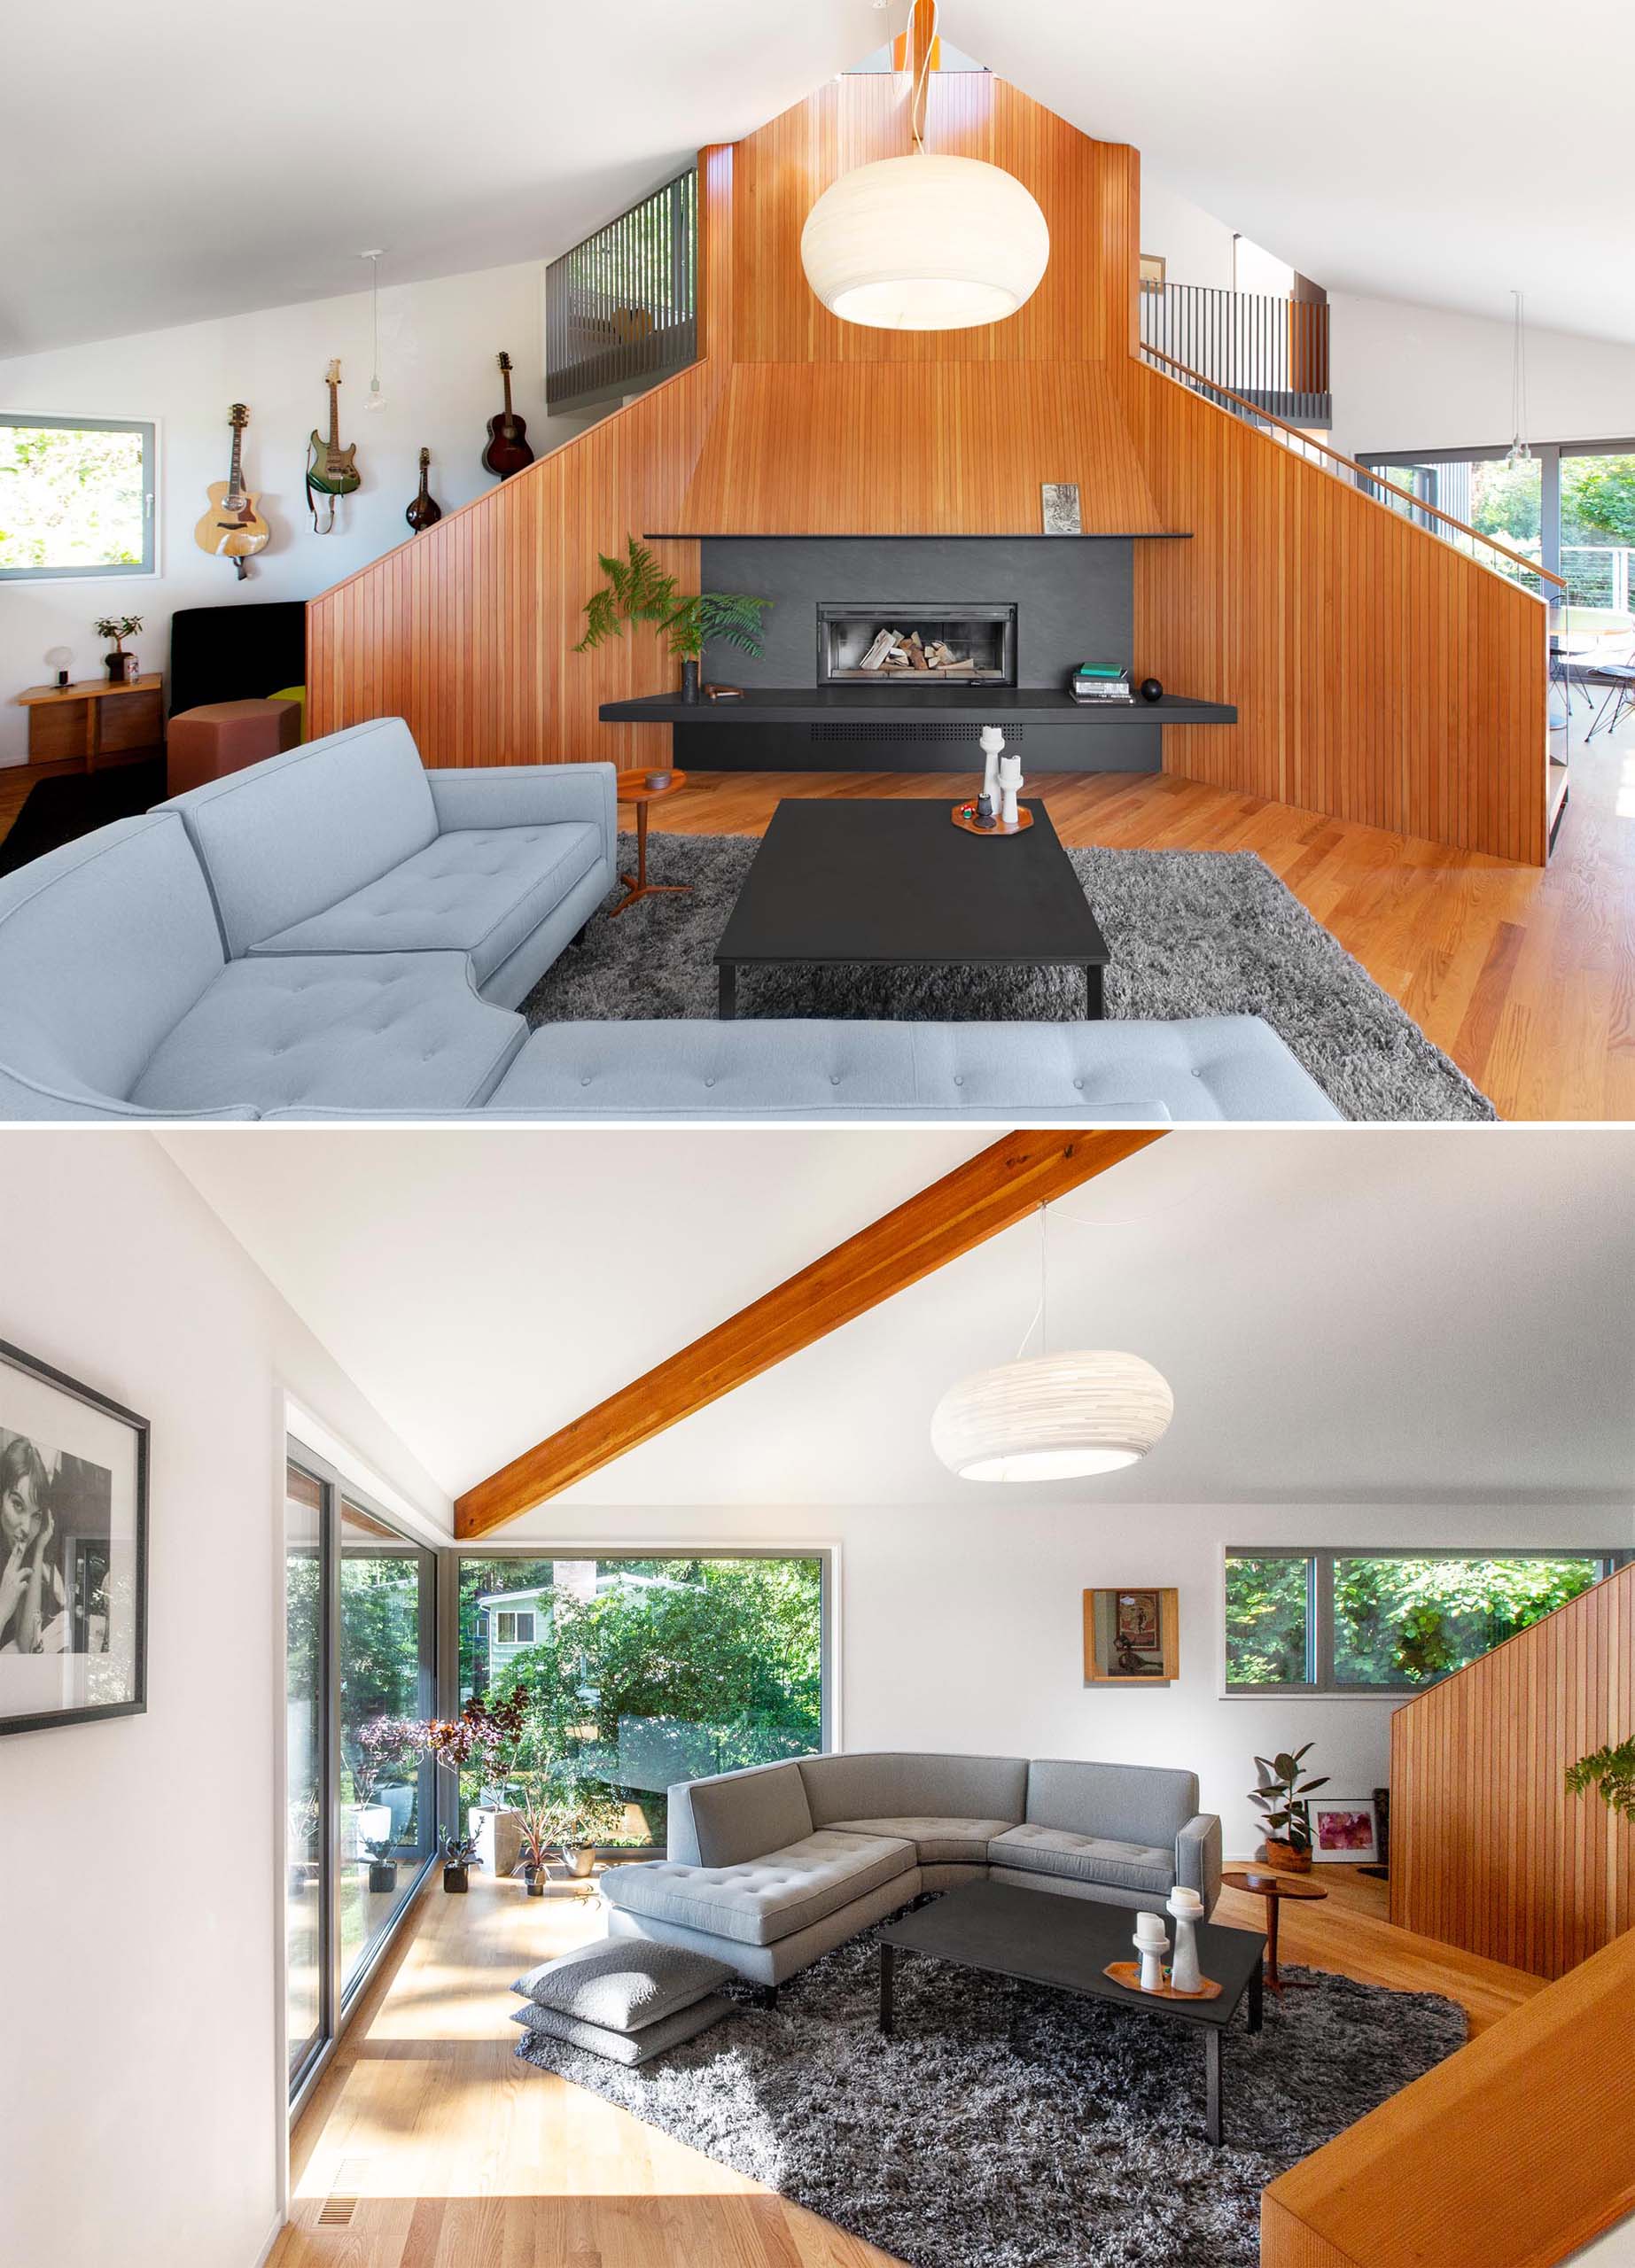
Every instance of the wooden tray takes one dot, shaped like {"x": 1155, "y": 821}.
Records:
{"x": 960, "y": 817}
{"x": 1128, "y": 1973}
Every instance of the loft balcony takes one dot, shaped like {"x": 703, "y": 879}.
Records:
{"x": 1272, "y": 352}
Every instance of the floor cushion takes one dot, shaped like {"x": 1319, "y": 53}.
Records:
{"x": 480, "y": 890}
{"x": 762, "y": 1900}
{"x": 627, "y": 2046}
{"x": 395, "y": 1031}
{"x": 939, "y": 1842}
{"x": 1086, "y": 1858}
{"x": 622, "y": 1984}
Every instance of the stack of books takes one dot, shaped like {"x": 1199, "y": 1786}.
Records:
{"x": 1100, "y": 681}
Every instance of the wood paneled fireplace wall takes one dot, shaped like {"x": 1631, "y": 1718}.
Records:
{"x": 1379, "y": 675}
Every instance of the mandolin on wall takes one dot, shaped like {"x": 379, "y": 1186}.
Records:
{"x": 426, "y": 510}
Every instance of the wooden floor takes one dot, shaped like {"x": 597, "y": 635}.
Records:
{"x": 1525, "y": 976}
{"x": 428, "y": 2145}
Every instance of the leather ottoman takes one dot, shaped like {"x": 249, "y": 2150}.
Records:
{"x": 225, "y": 735}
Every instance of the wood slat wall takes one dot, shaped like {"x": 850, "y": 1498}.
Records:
{"x": 1513, "y": 2154}
{"x": 1488, "y": 1849}
{"x": 1380, "y": 676}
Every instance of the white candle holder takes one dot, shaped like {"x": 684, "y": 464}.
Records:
{"x": 1187, "y": 1909}
{"x": 1151, "y": 1943}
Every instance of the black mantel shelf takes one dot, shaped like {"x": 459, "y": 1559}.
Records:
{"x": 993, "y": 704}
{"x": 921, "y": 535}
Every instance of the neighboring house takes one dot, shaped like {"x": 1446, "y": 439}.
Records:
{"x": 513, "y": 1620}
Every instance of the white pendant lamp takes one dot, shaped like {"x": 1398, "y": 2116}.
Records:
{"x": 1055, "y": 1416}
{"x": 924, "y": 242}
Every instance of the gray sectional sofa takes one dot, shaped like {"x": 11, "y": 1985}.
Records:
{"x": 337, "y": 932}
{"x": 768, "y": 1869}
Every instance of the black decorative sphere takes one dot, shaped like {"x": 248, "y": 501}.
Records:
{"x": 1151, "y": 690}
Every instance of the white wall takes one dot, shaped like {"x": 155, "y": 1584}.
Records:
{"x": 962, "y": 1629}
{"x": 1413, "y": 377}
{"x": 438, "y": 345}
{"x": 141, "y": 2116}
{"x": 1195, "y": 246}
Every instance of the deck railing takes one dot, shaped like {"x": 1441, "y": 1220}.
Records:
{"x": 1273, "y": 352}
{"x": 621, "y": 309}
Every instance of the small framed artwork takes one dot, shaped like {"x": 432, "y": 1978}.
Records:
{"x": 1132, "y": 1637}
{"x": 1060, "y": 508}
{"x": 1153, "y": 271}
{"x": 1344, "y": 1830}
{"x": 73, "y": 1531}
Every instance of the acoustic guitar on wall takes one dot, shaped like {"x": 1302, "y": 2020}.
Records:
{"x": 233, "y": 527}
{"x": 507, "y": 449}
{"x": 331, "y": 470}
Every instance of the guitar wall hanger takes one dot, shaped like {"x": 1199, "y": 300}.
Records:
{"x": 331, "y": 470}
{"x": 233, "y": 527}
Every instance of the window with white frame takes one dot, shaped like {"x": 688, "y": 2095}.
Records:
{"x": 77, "y": 498}
{"x": 514, "y": 1630}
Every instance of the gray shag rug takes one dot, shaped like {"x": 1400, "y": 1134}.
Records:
{"x": 1020, "y": 2127}
{"x": 1192, "y": 933}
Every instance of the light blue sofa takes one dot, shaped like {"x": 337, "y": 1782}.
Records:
{"x": 768, "y": 1869}
{"x": 338, "y": 933}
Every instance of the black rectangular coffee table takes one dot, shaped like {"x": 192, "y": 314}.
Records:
{"x": 1048, "y": 1938}
{"x": 893, "y": 879}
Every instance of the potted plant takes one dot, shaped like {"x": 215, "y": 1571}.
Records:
{"x": 1612, "y": 1771}
{"x": 480, "y": 1746}
{"x": 637, "y": 589}
{"x": 382, "y": 1865}
{"x": 119, "y": 627}
{"x": 459, "y": 1855}
{"x": 536, "y": 1823}
{"x": 1280, "y": 1796}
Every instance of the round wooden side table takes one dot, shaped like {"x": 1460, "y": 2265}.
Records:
{"x": 631, "y": 788}
{"x": 1263, "y": 1882}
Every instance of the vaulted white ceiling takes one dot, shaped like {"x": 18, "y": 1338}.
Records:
{"x": 191, "y": 161}
{"x": 1386, "y": 1315}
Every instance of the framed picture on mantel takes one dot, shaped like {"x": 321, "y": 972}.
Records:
{"x": 74, "y": 1489}
{"x": 1132, "y": 1637}
{"x": 1062, "y": 513}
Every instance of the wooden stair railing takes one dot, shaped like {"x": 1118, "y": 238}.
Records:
{"x": 1169, "y": 367}
{"x": 1489, "y": 1851}
{"x": 1512, "y": 2154}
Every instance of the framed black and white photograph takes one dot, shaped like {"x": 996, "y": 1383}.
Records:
{"x": 1060, "y": 508}
{"x": 73, "y": 1503}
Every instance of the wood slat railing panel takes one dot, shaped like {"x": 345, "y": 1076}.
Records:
{"x": 1489, "y": 1851}
{"x": 1380, "y": 675}
{"x": 1512, "y": 2154}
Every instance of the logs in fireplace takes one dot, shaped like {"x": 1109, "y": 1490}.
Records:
{"x": 916, "y": 646}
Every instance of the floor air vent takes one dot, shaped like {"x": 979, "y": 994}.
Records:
{"x": 929, "y": 731}
{"x": 339, "y": 2207}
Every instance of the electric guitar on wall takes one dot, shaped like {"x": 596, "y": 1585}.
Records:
{"x": 507, "y": 449}
{"x": 233, "y": 528}
{"x": 331, "y": 470}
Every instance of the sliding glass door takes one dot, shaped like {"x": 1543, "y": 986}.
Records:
{"x": 360, "y": 1614}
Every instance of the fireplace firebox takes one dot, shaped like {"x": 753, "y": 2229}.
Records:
{"x": 918, "y": 646}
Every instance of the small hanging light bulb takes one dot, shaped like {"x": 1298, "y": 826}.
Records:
{"x": 1519, "y": 452}
{"x": 375, "y": 398}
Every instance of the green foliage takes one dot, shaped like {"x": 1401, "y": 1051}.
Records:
{"x": 1396, "y": 1621}
{"x": 70, "y": 498}
{"x": 1598, "y": 500}
{"x": 1280, "y": 1797}
{"x": 117, "y": 626}
{"x": 637, "y": 589}
{"x": 1505, "y": 500}
{"x": 1612, "y": 1771}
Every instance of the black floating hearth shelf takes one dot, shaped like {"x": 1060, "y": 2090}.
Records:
{"x": 922, "y": 535}
{"x": 993, "y": 704}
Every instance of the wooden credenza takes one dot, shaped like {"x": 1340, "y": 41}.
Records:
{"x": 86, "y": 722}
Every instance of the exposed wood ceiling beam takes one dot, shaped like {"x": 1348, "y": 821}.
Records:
{"x": 991, "y": 1192}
